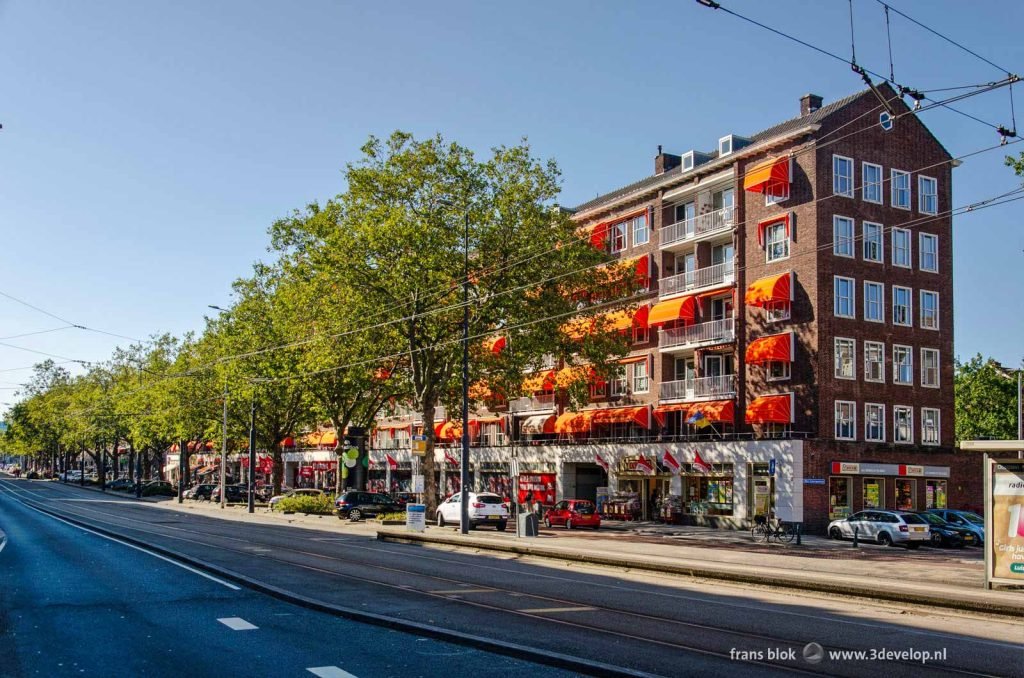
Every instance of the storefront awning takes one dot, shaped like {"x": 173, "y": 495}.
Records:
{"x": 537, "y": 424}
{"x": 766, "y": 172}
{"x": 573, "y": 422}
{"x": 715, "y": 411}
{"x": 769, "y": 290}
{"x": 773, "y": 409}
{"x": 288, "y": 442}
{"x": 539, "y": 381}
{"x": 450, "y": 430}
{"x": 661, "y": 410}
{"x": 663, "y": 312}
{"x": 495, "y": 344}
{"x": 776, "y": 347}
{"x": 567, "y": 376}
{"x": 394, "y": 426}
{"x": 641, "y": 416}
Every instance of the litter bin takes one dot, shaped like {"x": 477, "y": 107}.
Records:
{"x": 528, "y": 524}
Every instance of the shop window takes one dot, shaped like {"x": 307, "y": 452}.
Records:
{"x": 873, "y": 493}
{"x": 905, "y": 494}
{"x": 839, "y": 498}
{"x": 761, "y": 492}
{"x": 935, "y": 494}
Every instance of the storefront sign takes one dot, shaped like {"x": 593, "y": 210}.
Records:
{"x": 306, "y": 472}
{"x": 814, "y": 481}
{"x": 771, "y": 466}
{"x": 542, "y": 485}
{"x": 418, "y": 444}
{"x": 1004, "y": 522}
{"x": 325, "y": 465}
{"x": 415, "y": 517}
{"x": 870, "y": 469}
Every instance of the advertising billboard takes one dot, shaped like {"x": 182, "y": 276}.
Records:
{"x": 1004, "y": 522}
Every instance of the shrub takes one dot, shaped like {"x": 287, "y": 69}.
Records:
{"x": 393, "y": 516}
{"x": 320, "y": 505}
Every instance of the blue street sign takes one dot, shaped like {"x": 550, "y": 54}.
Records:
{"x": 771, "y": 467}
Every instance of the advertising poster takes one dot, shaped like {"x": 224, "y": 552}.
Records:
{"x": 872, "y": 494}
{"x": 1007, "y": 511}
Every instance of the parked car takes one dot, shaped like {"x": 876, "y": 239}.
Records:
{"x": 200, "y": 491}
{"x": 945, "y": 534}
{"x": 885, "y": 527}
{"x": 121, "y": 485}
{"x": 158, "y": 488}
{"x": 404, "y": 498}
{"x": 964, "y": 519}
{"x": 307, "y": 492}
{"x": 484, "y": 509}
{"x": 356, "y": 505}
{"x": 232, "y": 493}
{"x": 71, "y": 475}
{"x": 573, "y": 513}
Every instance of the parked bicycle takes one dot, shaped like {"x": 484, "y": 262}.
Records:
{"x": 767, "y": 528}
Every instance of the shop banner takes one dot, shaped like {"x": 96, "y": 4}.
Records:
{"x": 542, "y": 485}
{"x": 1005, "y": 522}
{"x": 869, "y": 469}
{"x": 325, "y": 465}
{"x": 306, "y": 472}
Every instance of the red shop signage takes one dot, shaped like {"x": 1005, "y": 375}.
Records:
{"x": 325, "y": 465}
{"x": 541, "y": 484}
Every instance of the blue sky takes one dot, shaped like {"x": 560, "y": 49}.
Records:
{"x": 146, "y": 147}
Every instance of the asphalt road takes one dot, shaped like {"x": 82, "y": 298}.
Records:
{"x": 73, "y": 603}
{"x": 636, "y": 621}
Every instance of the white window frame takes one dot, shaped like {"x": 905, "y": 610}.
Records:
{"x": 835, "y": 296}
{"x": 836, "y": 365}
{"x": 721, "y": 145}
{"x": 880, "y": 258}
{"x": 880, "y": 347}
{"x": 776, "y": 192}
{"x": 909, "y": 411}
{"x": 875, "y": 186}
{"x": 777, "y": 311}
{"x": 777, "y": 370}
{"x": 641, "y": 334}
{"x": 881, "y": 301}
{"x": 925, "y": 428}
{"x": 923, "y": 195}
{"x": 845, "y": 422}
{"x": 895, "y": 189}
{"x": 925, "y": 369}
{"x": 617, "y": 384}
{"x": 921, "y": 305}
{"x": 844, "y": 246}
{"x": 641, "y": 383}
{"x": 623, "y": 228}
{"x": 909, "y": 319}
{"x": 879, "y": 408}
{"x": 896, "y": 233}
{"x": 922, "y": 238}
{"x": 768, "y": 242}
{"x": 640, "y": 226}
{"x": 896, "y": 373}
{"x": 839, "y": 178}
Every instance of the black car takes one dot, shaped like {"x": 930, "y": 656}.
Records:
{"x": 201, "y": 491}
{"x": 121, "y": 485}
{"x": 232, "y": 493}
{"x": 356, "y": 505}
{"x": 158, "y": 488}
{"x": 946, "y": 534}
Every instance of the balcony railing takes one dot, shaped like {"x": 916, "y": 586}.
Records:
{"x": 532, "y": 404}
{"x": 709, "y": 276}
{"x": 695, "y": 227}
{"x": 701, "y": 333}
{"x": 701, "y": 387}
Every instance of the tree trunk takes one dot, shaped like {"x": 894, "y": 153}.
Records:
{"x": 430, "y": 495}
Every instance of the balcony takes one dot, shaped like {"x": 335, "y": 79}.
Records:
{"x": 541, "y": 403}
{"x": 702, "y": 278}
{"x": 699, "y": 388}
{"x": 695, "y": 228}
{"x": 713, "y": 332}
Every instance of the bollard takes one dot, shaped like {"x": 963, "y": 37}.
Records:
{"x": 799, "y": 531}
{"x": 856, "y": 531}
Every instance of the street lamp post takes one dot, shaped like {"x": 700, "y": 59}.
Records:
{"x": 464, "y": 475}
{"x": 252, "y": 454}
{"x": 224, "y": 452}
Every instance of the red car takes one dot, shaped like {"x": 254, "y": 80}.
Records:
{"x": 573, "y": 513}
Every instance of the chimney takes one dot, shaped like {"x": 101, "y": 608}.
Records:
{"x": 663, "y": 162}
{"x": 809, "y": 103}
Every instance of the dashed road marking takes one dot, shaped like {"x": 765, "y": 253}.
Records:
{"x": 330, "y": 672}
{"x": 237, "y": 624}
{"x": 460, "y": 591}
{"x": 546, "y": 610}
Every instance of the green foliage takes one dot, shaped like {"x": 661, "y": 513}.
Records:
{"x": 1016, "y": 163}
{"x": 322, "y": 505}
{"x": 391, "y": 516}
{"x": 985, "y": 401}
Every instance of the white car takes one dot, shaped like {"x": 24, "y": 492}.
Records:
{"x": 484, "y": 509}
{"x": 71, "y": 474}
{"x": 309, "y": 492}
{"x": 885, "y": 527}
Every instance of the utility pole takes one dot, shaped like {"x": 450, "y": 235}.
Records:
{"x": 181, "y": 470}
{"x": 224, "y": 451}
{"x": 252, "y": 454}
{"x": 103, "y": 466}
{"x": 464, "y": 471}
{"x": 1020, "y": 413}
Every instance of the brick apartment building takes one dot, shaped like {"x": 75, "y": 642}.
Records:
{"x": 794, "y": 350}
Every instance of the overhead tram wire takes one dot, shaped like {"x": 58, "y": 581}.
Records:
{"x": 67, "y": 322}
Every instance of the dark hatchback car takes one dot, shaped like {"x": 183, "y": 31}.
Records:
{"x": 121, "y": 485}
{"x": 232, "y": 493}
{"x": 944, "y": 533}
{"x": 356, "y": 505}
{"x": 158, "y": 488}
{"x": 201, "y": 491}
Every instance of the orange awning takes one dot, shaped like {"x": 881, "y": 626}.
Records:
{"x": 661, "y": 410}
{"x": 495, "y": 344}
{"x": 539, "y": 381}
{"x": 450, "y": 430}
{"x": 567, "y": 376}
{"x": 642, "y": 317}
{"x": 537, "y": 424}
{"x": 772, "y": 170}
{"x": 643, "y": 270}
{"x": 641, "y": 416}
{"x": 714, "y": 410}
{"x": 663, "y": 312}
{"x": 288, "y": 442}
{"x": 773, "y": 409}
{"x": 438, "y": 427}
{"x": 573, "y": 422}
{"x": 768, "y": 290}
{"x": 774, "y": 347}
{"x": 393, "y": 426}
{"x": 577, "y": 328}
{"x": 599, "y": 236}
{"x": 328, "y": 439}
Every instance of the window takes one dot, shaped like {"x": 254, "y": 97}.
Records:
{"x": 778, "y": 370}
{"x": 871, "y": 178}
{"x": 929, "y": 426}
{"x": 846, "y": 420}
{"x": 874, "y": 490}
{"x": 618, "y": 236}
{"x": 902, "y": 365}
{"x": 617, "y": 386}
{"x": 776, "y": 238}
{"x": 777, "y": 310}
{"x": 930, "y": 367}
{"x": 873, "y": 242}
{"x": 641, "y": 384}
{"x": 906, "y": 491}
{"x": 641, "y": 234}
{"x": 935, "y": 494}
{"x": 641, "y": 334}
{"x": 874, "y": 302}
{"x": 929, "y": 246}
{"x": 874, "y": 361}
{"x": 775, "y": 192}
{"x": 842, "y": 236}
{"x": 874, "y": 422}
{"x": 687, "y": 161}
{"x": 927, "y": 195}
{"x": 842, "y": 176}
{"x": 901, "y": 306}
{"x": 901, "y": 247}
{"x": 725, "y": 145}
{"x": 846, "y": 362}
{"x": 845, "y": 297}
{"x": 903, "y": 424}
{"x": 900, "y": 189}
{"x": 929, "y": 310}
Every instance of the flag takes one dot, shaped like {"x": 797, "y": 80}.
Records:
{"x": 699, "y": 419}
{"x": 644, "y": 466}
{"x": 671, "y": 462}
{"x": 601, "y": 462}
{"x": 699, "y": 464}
{"x": 369, "y": 462}
{"x": 449, "y": 459}
{"x": 392, "y": 462}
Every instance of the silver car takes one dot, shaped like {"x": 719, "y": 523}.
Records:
{"x": 884, "y": 527}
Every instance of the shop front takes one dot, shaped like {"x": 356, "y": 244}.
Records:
{"x": 858, "y": 486}
{"x": 642, "y": 488}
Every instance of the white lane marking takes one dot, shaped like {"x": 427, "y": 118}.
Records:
{"x": 546, "y": 610}
{"x": 460, "y": 591}
{"x": 3, "y": 541}
{"x": 237, "y": 624}
{"x": 138, "y": 548}
{"x": 330, "y": 672}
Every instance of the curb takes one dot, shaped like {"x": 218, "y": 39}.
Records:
{"x": 706, "y": 572}
{"x": 509, "y": 649}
